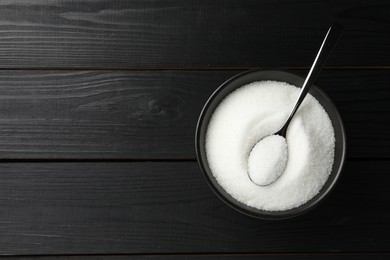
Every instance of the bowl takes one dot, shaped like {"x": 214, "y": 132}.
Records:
{"x": 276, "y": 75}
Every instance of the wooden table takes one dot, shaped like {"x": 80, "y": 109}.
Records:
{"x": 98, "y": 106}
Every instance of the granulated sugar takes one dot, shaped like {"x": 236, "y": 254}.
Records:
{"x": 253, "y": 112}
{"x": 267, "y": 160}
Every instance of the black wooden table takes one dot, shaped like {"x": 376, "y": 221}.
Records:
{"x": 98, "y": 106}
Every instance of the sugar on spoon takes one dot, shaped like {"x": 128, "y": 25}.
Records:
{"x": 268, "y": 157}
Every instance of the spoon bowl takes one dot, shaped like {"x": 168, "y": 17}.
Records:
{"x": 263, "y": 75}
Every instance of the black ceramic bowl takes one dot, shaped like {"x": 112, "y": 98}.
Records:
{"x": 259, "y": 75}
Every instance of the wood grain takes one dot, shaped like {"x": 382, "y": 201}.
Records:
{"x": 153, "y": 114}
{"x": 189, "y": 34}
{"x": 114, "y": 208}
{"x": 331, "y": 256}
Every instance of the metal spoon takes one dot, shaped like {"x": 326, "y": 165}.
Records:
{"x": 327, "y": 46}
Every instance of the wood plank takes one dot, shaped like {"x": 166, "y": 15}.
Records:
{"x": 104, "y": 114}
{"x": 137, "y": 208}
{"x": 190, "y": 34}
{"x": 153, "y": 114}
{"x": 331, "y": 256}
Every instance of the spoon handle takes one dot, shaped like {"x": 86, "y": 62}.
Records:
{"x": 327, "y": 46}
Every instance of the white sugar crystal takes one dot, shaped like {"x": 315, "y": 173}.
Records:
{"x": 254, "y": 112}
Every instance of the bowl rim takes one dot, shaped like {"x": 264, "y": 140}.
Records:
{"x": 226, "y": 197}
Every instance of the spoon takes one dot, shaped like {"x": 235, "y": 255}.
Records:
{"x": 268, "y": 157}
